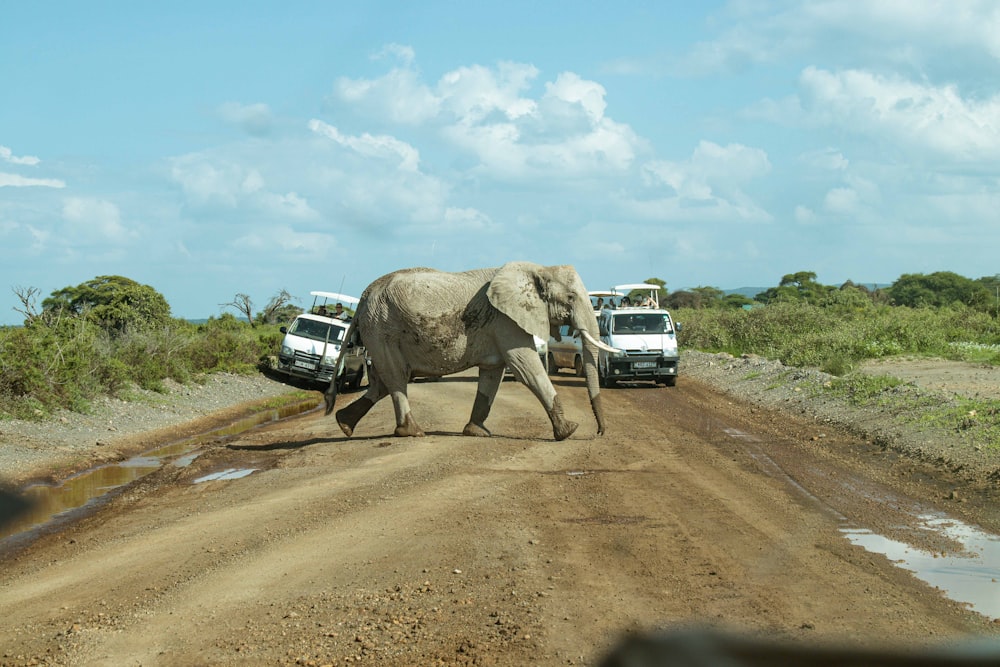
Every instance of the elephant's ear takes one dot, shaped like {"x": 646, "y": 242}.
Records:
{"x": 516, "y": 291}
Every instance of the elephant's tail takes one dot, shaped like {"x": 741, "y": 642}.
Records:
{"x": 351, "y": 338}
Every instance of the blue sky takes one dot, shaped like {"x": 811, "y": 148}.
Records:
{"x": 215, "y": 148}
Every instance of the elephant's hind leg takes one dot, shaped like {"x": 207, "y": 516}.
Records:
{"x": 349, "y": 416}
{"x": 489, "y": 383}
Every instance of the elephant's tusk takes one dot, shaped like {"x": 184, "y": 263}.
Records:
{"x": 593, "y": 341}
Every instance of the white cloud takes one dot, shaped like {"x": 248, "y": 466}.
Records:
{"x": 289, "y": 205}
{"x": 485, "y": 112}
{"x": 475, "y": 94}
{"x": 841, "y": 201}
{"x": 399, "y": 95}
{"x": 827, "y": 159}
{"x": 8, "y": 156}
{"x": 18, "y": 181}
{"x": 918, "y": 34}
{"x": 930, "y": 117}
{"x": 707, "y": 187}
{"x": 405, "y": 156}
{"x": 287, "y": 241}
{"x": 713, "y": 176}
{"x": 207, "y": 181}
{"x": 214, "y": 182}
{"x": 804, "y": 215}
{"x": 95, "y": 219}
{"x": 254, "y": 119}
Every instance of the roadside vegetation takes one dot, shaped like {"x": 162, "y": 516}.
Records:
{"x": 111, "y": 334}
{"x": 834, "y": 329}
{"x": 803, "y": 323}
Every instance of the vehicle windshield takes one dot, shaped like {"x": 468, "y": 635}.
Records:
{"x": 316, "y": 330}
{"x": 642, "y": 323}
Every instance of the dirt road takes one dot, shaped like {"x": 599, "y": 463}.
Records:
{"x": 692, "y": 510}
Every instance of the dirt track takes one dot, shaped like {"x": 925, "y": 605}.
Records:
{"x": 693, "y": 510}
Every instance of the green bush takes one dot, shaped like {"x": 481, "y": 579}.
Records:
{"x": 836, "y": 336}
{"x": 67, "y": 361}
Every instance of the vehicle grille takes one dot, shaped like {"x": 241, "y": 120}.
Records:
{"x": 305, "y": 356}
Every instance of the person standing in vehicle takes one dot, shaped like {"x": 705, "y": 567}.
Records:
{"x": 339, "y": 313}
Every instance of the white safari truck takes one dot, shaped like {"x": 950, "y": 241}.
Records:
{"x": 312, "y": 344}
{"x": 644, "y": 334}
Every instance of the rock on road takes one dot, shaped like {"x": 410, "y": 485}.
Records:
{"x": 692, "y": 510}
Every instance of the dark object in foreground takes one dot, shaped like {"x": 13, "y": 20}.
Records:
{"x": 707, "y": 648}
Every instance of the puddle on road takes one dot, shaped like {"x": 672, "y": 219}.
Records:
{"x": 227, "y": 474}
{"x": 68, "y": 500}
{"x": 970, "y": 576}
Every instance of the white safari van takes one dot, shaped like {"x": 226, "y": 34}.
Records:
{"x": 312, "y": 344}
{"x": 644, "y": 334}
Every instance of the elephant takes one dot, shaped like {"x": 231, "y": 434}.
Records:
{"x": 421, "y": 322}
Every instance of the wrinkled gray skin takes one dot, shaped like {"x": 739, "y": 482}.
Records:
{"x": 426, "y": 323}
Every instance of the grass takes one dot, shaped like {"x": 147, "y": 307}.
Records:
{"x": 976, "y": 419}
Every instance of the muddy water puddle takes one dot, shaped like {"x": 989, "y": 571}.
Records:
{"x": 56, "y": 504}
{"x": 968, "y": 572}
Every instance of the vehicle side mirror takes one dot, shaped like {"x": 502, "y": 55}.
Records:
{"x": 677, "y": 326}
{"x": 283, "y": 330}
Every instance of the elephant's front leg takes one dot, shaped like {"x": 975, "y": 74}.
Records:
{"x": 530, "y": 370}
{"x": 489, "y": 383}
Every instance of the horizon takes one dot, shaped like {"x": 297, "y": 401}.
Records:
{"x": 214, "y": 149}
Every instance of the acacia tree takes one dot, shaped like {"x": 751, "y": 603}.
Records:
{"x": 28, "y": 296}
{"x": 800, "y": 286}
{"x": 279, "y": 308}
{"x": 942, "y": 288}
{"x": 242, "y": 303}
{"x": 661, "y": 292}
{"x": 114, "y": 303}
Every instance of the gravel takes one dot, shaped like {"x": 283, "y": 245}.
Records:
{"x": 115, "y": 428}
{"x": 897, "y": 421}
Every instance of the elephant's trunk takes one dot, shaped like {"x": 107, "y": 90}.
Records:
{"x": 590, "y": 347}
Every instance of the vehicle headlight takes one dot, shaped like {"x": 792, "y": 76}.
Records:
{"x": 287, "y": 351}
{"x": 329, "y": 360}
{"x": 618, "y": 354}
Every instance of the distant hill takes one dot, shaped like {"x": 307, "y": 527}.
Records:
{"x": 748, "y": 292}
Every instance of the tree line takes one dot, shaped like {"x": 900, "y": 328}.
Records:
{"x": 913, "y": 290}
{"x": 111, "y": 334}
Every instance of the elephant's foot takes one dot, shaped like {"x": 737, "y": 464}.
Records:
{"x": 480, "y": 411}
{"x": 349, "y": 416}
{"x": 595, "y": 404}
{"x": 409, "y": 429}
{"x": 476, "y": 430}
{"x": 561, "y": 427}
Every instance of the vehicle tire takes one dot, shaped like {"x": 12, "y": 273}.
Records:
{"x": 603, "y": 377}
{"x": 578, "y": 367}
{"x": 670, "y": 381}
{"x": 551, "y": 365}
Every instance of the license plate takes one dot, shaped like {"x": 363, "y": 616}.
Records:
{"x": 305, "y": 364}
{"x": 645, "y": 364}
